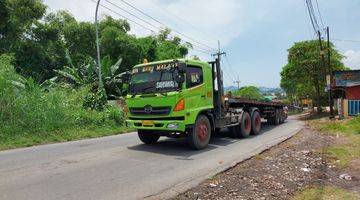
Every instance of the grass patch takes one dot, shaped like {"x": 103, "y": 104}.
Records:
{"x": 326, "y": 193}
{"x": 349, "y": 130}
{"x": 27, "y": 140}
{"x": 31, "y": 115}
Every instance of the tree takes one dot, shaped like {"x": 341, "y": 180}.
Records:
{"x": 170, "y": 48}
{"x": 17, "y": 16}
{"x": 250, "y": 92}
{"x": 304, "y": 76}
{"x": 39, "y": 41}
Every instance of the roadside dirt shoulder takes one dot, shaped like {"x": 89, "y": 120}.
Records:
{"x": 279, "y": 172}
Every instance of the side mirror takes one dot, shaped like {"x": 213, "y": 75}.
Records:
{"x": 180, "y": 78}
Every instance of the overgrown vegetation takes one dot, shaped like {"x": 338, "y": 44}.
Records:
{"x": 349, "y": 130}
{"x": 31, "y": 115}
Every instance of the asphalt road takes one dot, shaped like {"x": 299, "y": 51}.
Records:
{"x": 120, "y": 167}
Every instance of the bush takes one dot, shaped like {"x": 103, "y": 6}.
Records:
{"x": 95, "y": 100}
{"x": 26, "y": 108}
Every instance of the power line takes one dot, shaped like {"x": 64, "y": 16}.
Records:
{"x": 145, "y": 27}
{"x": 320, "y": 15}
{"x": 122, "y": 16}
{"x": 184, "y": 22}
{"x": 139, "y": 18}
{"x": 201, "y": 51}
{"x": 231, "y": 80}
{"x": 312, "y": 16}
{"x": 230, "y": 67}
{"x": 159, "y": 28}
{"x": 311, "y": 19}
{"x": 163, "y": 24}
{"x": 346, "y": 40}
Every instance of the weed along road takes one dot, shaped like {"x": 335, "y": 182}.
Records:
{"x": 121, "y": 167}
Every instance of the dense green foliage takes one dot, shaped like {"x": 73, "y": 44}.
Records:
{"x": 250, "y": 92}
{"x": 39, "y": 41}
{"x": 305, "y": 76}
{"x": 26, "y": 109}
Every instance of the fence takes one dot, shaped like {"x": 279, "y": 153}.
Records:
{"x": 354, "y": 107}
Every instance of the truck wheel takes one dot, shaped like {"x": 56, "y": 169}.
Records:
{"x": 199, "y": 136}
{"x": 244, "y": 128}
{"x": 255, "y": 123}
{"x": 148, "y": 137}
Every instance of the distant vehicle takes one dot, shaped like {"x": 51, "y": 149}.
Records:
{"x": 185, "y": 98}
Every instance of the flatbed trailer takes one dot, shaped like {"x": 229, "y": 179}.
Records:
{"x": 267, "y": 109}
{"x": 190, "y": 102}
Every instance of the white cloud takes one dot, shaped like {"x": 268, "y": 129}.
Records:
{"x": 352, "y": 59}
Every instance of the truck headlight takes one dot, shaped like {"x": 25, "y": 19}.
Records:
{"x": 173, "y": 126}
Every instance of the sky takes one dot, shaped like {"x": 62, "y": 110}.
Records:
{"x": 255, "y": 34}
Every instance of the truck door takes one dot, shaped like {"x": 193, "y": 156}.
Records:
{"x": 196, "y": 89}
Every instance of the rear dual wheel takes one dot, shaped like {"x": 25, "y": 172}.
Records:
{"x": 243, "y": 129}
{"x": 276, "y": 119}
{"x": 255, "y": 123}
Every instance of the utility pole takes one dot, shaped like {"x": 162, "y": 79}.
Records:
{"x": 98, "y": 45}
{"x": 219, "y": 80}
{"x": 318, "y": 73}
{"x": 237, "y": 82}
{"x": 330, "y": 73}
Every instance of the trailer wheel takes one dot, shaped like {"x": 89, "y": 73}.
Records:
{"x": 255, "y": 123}
{"x": 148, "y": 137}
{"x": 242, "y": 130}
{"x": 199, "y": 136}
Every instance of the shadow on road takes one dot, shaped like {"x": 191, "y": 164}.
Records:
{"x": 180, "y": 148}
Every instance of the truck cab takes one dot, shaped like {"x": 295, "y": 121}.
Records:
{"x": 165, "y": 99}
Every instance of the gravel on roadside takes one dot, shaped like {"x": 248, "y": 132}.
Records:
{"x": 277, "y": 173}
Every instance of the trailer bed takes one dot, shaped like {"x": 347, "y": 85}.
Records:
{"x": 235, "y": 102}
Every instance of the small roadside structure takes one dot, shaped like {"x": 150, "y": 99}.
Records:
{"x": 346, "y": 90}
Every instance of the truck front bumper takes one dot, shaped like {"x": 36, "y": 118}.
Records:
{"x": 159, "y": 125}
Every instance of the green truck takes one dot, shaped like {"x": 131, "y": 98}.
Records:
{"x": 185, "y": 98}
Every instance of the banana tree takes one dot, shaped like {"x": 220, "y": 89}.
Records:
{"x": 112, "y": 77}
{"x": 87, "y": 74}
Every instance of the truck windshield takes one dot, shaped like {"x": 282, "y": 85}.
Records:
{"x": 147, "y": 80}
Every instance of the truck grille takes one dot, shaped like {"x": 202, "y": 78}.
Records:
{"x": 148, "y": 110}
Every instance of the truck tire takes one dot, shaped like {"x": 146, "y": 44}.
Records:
{"x": 243, "y": 129}
{"x": 255, "y": 123}
{"x": 199, "y": 135}
{"x": 148, "y": 137}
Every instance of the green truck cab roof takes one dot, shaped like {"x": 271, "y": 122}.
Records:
{"x": 187, "y": 61}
